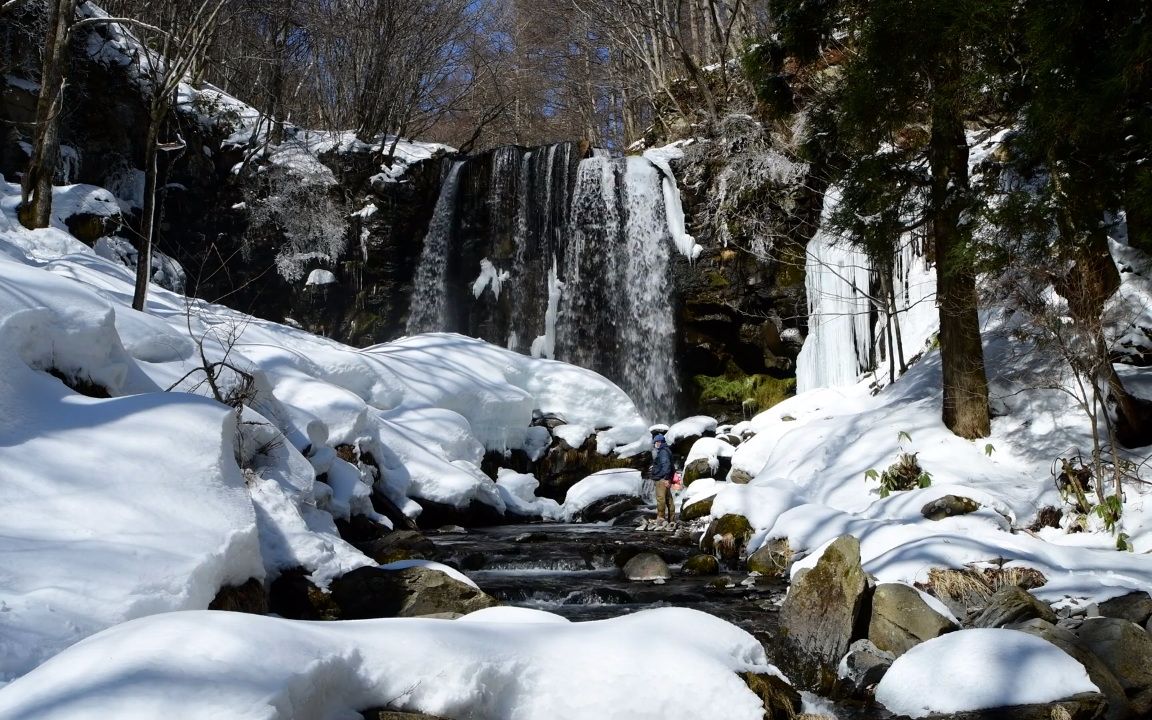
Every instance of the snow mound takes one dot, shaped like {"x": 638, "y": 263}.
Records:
{"x": 696, "y": 425}
{"x": 499, "y": 666}
{"x": 978, "y": 669}
{"x": 598, "y": 486}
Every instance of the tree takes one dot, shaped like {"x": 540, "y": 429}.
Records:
{"x": 913, "y": 73}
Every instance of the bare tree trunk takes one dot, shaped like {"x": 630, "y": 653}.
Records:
{"x": 961, "y": 353}
{"x": 148, "y": 216}
{"x": 36, "y": 187}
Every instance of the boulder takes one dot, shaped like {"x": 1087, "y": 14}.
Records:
{"x": 293, "y": 595}
{"x": 359, "y": 530}
{"x": 399, "y": 545}
{"x": 1085, "y": 706}
{"x": 698, "y": 509}
{"x": 248, "y": 597}
{"x": 1134, "y": 607}
{"x": 700, "y": 565}
{"x": 372, "y": 592}
{"x": 739, "y": 476}
{"x": 379, "y": 714}
{"x": 1011, "y": 604}
{"x": 474, "y": 514}
{"x": 820, "y": 612}
{"x": 726, "y": 538}
{"x": 774, "y": 559}
{"x": 863, "y": 666}
{"x": 609, "y": 508}
{"x": 1098, "y": 672}
{"x": 781, "y": 700}
{"x": 698, "y": 468}
{"x": 1127, "y": 651}
{"x": 901, "y": 619}
{"x": 949, "y": 506}
{"x": 646, "y": 566}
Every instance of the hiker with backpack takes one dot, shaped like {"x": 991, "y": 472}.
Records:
{"x": 661, "y": 472}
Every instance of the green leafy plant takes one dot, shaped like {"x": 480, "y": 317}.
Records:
{"x": 903, "y": 474}
{"x": 989, "y": 449}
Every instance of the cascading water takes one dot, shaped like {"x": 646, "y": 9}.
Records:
{"x": 429, "y": 308}
{"x": 616, "y": 315}
{"x": 564, "y": 258}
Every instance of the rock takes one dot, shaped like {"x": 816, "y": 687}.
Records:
{"x": 726, "y": 538}
{"x": 1098, "y": 672}
{"x": 781, "y": 700}
{"x": 90, "y": 227}
{"x": 1127, "y": 651}
{"x": 531, "y": 537}
{"x": 1135, "y": 607}
{"x": 774, "y": 559}
{"x": 949, "y": 506}
{"x": 359, "y": 530}
{"x": 609, "y": 508}
{"x": 739, "y": 477}
{"x": 475, "y": 514}
{"x": 697, "y": 469}
{"x": 294, "y": 596}
{"x": 451, "y": 530}
{"x": 1085, "y": 706}
{"x": 379, "y": 714}
{"x": 647, "y": 566}
{"x": 472, "y": 561}
{"x": 598, "y": 596}
{"x": 371, "y": 592}
{"x": 902, "y": 619}
{"x": 248, "y": 597}
{"x": 399, "y": 545}
{"x": 821, "y": 610}
{"x": 700, "y": 565}
{"x": 1011, "y": 604}
{"x": 698, "y": 509}
{"x": 863, "y": 666}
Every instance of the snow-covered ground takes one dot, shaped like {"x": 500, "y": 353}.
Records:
{"x": 114, "y": 508}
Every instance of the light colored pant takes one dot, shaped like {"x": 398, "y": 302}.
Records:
{"x": 665, "y": 506}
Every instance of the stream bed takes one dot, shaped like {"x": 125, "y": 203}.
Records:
{"x": 573, "y": 570}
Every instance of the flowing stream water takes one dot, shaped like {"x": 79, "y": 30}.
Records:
{"x": 573, "y": 570}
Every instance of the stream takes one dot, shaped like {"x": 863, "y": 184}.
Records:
{"x": 573, "y": 570}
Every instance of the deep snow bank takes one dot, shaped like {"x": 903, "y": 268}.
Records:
{"x": 503, "y": 665}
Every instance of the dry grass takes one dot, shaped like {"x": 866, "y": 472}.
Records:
{"x": 972, "y": 587}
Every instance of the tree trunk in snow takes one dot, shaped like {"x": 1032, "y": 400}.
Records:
{"x": 147, "y": 218}
{"x": 36, "y": 187}
{"x": 961, "y": 353}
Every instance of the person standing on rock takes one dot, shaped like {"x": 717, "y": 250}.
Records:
{"x": 661, "y": 474}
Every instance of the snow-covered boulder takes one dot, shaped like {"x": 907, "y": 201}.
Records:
{"x": 406, "y": 589}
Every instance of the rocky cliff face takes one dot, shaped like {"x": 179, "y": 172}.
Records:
{"x": 737, "y": 312}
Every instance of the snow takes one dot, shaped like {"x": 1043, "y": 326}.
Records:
{"x": 694, "y": 426}
{"x": 152, "y": 501}
{"x": 545, "y": 345}
{"x": 431, "y": 565}
{"x": 674, "y": 209}
{"x": 518, "y": 491}
{"x": 489, "y": 277}
{"x": 977, "y": 669}
{"x": 710, "y": 449}
{"x": 600, "y": 485}
{"x": 500, "y": 664}
{"x": 320, "y": 277}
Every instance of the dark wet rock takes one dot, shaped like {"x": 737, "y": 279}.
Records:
{"x": 646, "y": 566}
{"x": 1011, "y": 604}
{"x": 726, "y": 538}
{"x": 475, "y": 514}
{"x": 473, "y": 561}
{"x": 372, "y": 592}
{"x": 901, "y": 619}
{"x": 562, "y": 466}
{"x": 1099, "y": 673}
{"x": 696, "y": 510}
{"x": 451, "y": 530}
{"x": 531, "y": 537}
{"x": 1085, "y": 706}
{"x": 399, "y": 545}
{"x": 863, "y": 667}
{"x": 294, "y": 596}
{"x": 1126, "y": 649}
{"x": 949, "y": 506}
{"x": 609, "y": 508}
{"x": 248, "y": 597}
{"x": 90, "y": 227}
{"x": 700, "y": 565}
{"x": 781, "y": 700}
{"x": 819, "y": 617}
{"x": 599, "y": 596}
{"x": 359, "y": 530}
{"x": 773, "y": 558}
{"x": 378, "y": 714}
{"x": 1135, "y": 607}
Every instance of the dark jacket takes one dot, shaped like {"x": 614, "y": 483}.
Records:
{"x": 661, "y": 468}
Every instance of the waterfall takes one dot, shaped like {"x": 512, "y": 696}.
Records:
{"x": 429, "y": 309}
{"x": 616, "y": 313}
{"x": 543, "y": 253}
